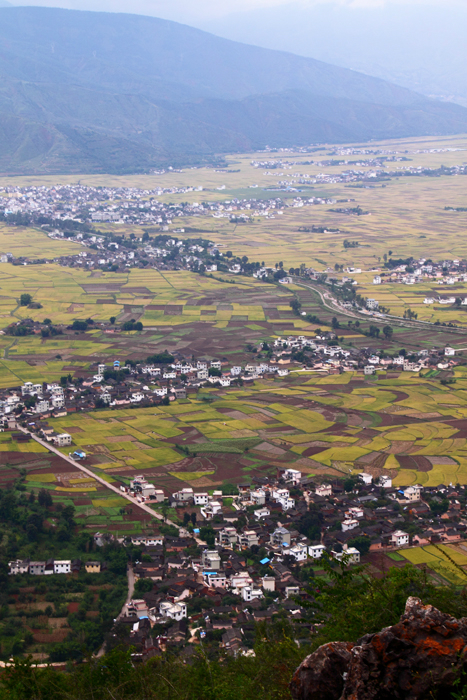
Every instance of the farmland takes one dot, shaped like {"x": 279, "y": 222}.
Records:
{"x": 188, "y": 313}
{"x": 181, "y": 312}
{"x": 410, "y": 428}
{"x": 96, "y": 508}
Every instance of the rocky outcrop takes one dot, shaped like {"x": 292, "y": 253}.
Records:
{"x": 417, "y": 659}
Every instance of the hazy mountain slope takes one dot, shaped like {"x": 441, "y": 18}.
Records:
{"x": 84, "y": 91}
{"x": 421, "y": 46}
{"x": 131, "y": 52}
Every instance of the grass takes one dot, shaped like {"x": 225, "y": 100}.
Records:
{"x": 395, "y": 556}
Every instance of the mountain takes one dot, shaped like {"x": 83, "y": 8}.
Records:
{"x": 420, "y": 46}
{"x": 101, "y": 92}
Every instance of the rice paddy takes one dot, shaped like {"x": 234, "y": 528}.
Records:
{"x": 408, "y": 433}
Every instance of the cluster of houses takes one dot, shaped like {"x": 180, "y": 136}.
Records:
{"x": 444, "y": 273}
{"x": 424, "y": 359}
{"x": 255, "y": 566}
{"x": 247, "y": 557}
{"x": 54, "y": 566}
{"x": 147, "y": 384}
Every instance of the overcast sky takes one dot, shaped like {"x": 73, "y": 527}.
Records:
{"x": 200, "y": 10}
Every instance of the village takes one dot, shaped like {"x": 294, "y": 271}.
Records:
{"x": 256, "y": 553}
{"x": 178, "y": 377}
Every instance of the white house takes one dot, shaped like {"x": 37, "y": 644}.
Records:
{"x": 247, "y": 539}
{"x": 215, "y": 579}
{"x": 210, "y": 559}
{"x": 324, "y": 490}
{"x": 366, "y": 478}
{"x": 293, "y": 476}
{"x": 37, "y": 568}
{"x": 262, "y": 513}
{"x": 449, "y": 352}
{"x": 286, "y": 502}
{"x": 351, "y": 553}
{"x": 298, "y": 551}
{"x": 18, "y": 567}
{"x": 372, "y": 304}
{"x": 399, "y": 538}
{"x": 316, "y": 550}
{"x": 175, "y": 611}
{"x": 349, "y": 524}
{"x": 227, "y": 537}
{"x": 62, "y": 440}
{"x": 269, "y": 583}
{"x": 258, "y": 497}
{"x": 239, "y": 581}
{"x": 185, "y": 494}
{"x": 211, "y": 510}
{"x": 385, "y": 482}
{"x": 201, "y": 499}
{"x": 355, "y": 513}
{"x": 377, "y": 279}
{"x": 62, "y": 567}
{"x": 412, "y": 493}
{"x": 235, "y": 371}
{"x": 249, "y": 593}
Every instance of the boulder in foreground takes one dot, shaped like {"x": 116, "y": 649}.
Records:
{"x": 419, "y": 658}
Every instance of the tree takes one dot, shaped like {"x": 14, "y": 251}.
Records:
{"x": 388, "y": 332}
{"x": 44, "y": 498}
{"x": 335, "y": 323}
{"x": 112, "y": 320}
{"x": 208, "y": 535}
{"x": 25, "y": 299}
{"x": 47, "y": 321}
{"x": 362, "y": 543}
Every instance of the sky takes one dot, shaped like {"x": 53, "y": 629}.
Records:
{"x": 199, "y": 10}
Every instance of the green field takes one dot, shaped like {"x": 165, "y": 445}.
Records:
{"x": 414, "y": 432}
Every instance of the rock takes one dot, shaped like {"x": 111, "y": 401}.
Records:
{"x": 321, "y": 675}
{"x": 419, "y": 657}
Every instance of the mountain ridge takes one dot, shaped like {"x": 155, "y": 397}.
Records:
{"x": 123, "y": 93}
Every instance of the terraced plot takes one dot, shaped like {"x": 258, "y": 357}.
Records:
{"x": 247, "y": 432}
